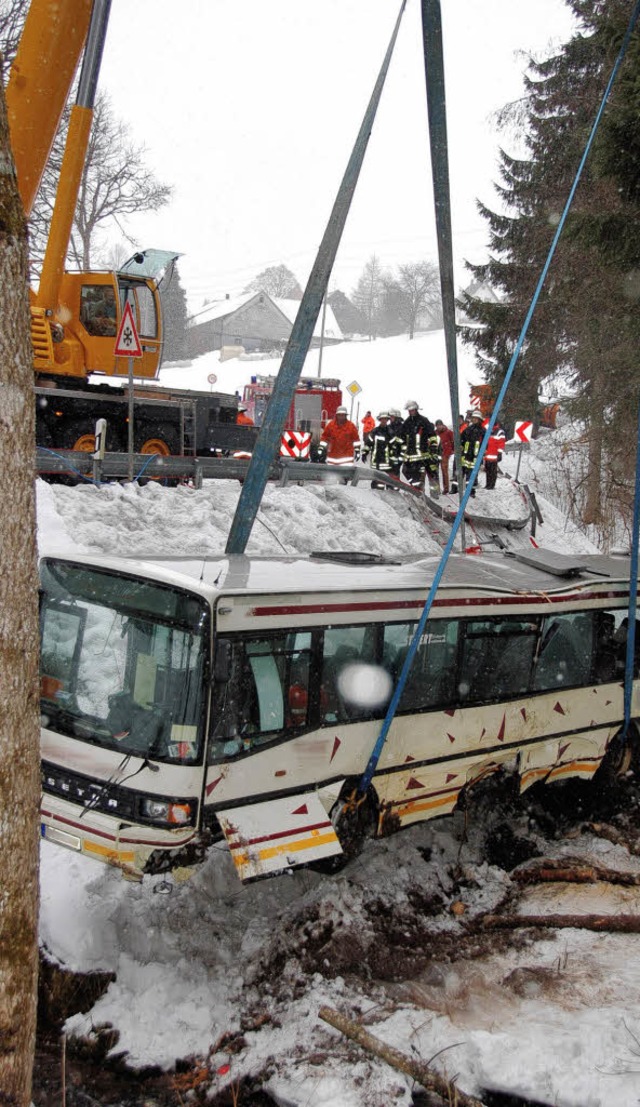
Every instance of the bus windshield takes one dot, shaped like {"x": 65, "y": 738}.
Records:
{"x": 122, "y": 662}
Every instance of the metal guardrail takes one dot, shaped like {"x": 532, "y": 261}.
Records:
{"x": 70, "y": 465}
{"x": 73, "y": 465}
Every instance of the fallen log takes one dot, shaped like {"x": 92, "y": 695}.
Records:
{"x": 612, "y": 834}
{"x": 430, "y": 1080}
{"x": 572, "y": 870}
{"x": 626, "y": 924}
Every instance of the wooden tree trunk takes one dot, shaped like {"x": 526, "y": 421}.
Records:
{"x": 448, "y": 1092}
{"x": 19, "y": 726}
{"x": 592, "y": 514}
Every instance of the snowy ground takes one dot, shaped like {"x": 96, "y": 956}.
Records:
{"x": 234, "y": 976}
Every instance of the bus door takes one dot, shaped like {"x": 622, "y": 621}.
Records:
{"x": 264, "y": 693}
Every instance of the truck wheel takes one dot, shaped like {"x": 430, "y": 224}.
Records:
{"x": 77, "y": 437}
{"x": 163, "y": 443}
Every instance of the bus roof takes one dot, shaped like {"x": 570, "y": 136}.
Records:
{"x": 501, "y": 572}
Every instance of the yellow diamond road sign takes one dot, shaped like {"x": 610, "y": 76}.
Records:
{"x": 354, "y": 388}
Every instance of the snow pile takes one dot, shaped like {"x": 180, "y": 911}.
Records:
{"x": 294, "y": 519}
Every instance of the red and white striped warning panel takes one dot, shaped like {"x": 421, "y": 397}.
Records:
{"x": 278, "y": 834}
{"x": 523, "y": 431}
{"x": 295, "y": 444}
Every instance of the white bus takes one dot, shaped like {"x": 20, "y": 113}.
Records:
{"x": 184, "y": 701}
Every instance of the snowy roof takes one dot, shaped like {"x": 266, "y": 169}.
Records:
{"x": 220, "y": 309}
{"x": 331, "y": 328}
{"x": 490, "y": 575}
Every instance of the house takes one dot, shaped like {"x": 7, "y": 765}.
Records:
{"x": 256, "y": 321}
{"x": 478, "y": 290}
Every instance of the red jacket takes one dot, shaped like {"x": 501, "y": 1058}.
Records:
{"x": 368, "y": 424}
{"x": 339, "y": 440}
{"x": 446, "y": 441}
{"x": 495, "y": 445}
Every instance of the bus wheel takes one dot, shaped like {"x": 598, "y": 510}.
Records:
{"x": 621, "y": 756}
{"x": 355, "y": 819}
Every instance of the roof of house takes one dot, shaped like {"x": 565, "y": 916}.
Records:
{"x": 331, "y": 328}
{"x": 222, "y": 309}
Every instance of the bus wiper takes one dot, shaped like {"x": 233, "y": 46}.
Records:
{"x": 107, "y": 788}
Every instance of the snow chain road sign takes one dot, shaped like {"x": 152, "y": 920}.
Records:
{"x": 295, "y": 444}
{"x": 127, "y": 342}
{"x": 354, "y": 388}
{"x": 523, "y": 430}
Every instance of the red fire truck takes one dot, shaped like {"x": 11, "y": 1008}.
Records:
{"x": 314, "y": 404}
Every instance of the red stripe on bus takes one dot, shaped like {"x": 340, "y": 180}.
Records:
{"x": 280, "y": 834}
{"x": 475, "y": 601}
{"x": 86, "y": 831}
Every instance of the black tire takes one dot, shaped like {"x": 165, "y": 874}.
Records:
{"x": 78, "y": 435}
{"x": 161, "y": 439}
{"x": 355, "y": 819}
{"x": 621, "y": 756}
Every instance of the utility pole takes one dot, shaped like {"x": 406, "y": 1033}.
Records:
{"x": 324, "y": 316}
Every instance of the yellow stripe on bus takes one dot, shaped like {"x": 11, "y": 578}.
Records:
{"x": 574, "y": 767}
{"x": 286, "y": 847}
{"x": 105, "y": 851}
{"x": 426, "y": 805}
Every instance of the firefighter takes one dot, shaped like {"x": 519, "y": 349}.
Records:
{"x": 420, "y": 449}
{"x": 385, "y": 447}
{"x": 368, "y": 423}
{"x": 493, "y": 453}
{"x": 340, "y": 442}
{"x": 470, "y": 440}
{"x": 242, "y": 419}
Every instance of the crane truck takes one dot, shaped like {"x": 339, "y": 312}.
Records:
{"x": 75, "y": 316}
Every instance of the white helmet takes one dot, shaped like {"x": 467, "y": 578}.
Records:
{"x": 410, "y": 405}
{"x": 394, "y": 413}
{"x": 341, "y": 411}
{"x": 477, "y": 415}
{"x": 242, "y": 407}
{"x": 383, "y": 415}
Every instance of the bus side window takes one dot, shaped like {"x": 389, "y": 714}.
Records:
{"x": 620, "y": 639}
{"x": 564, "y": 660}
{"x": 268, "y": 692}
{"x": 604, "y": 660}
{"x": 431, "y": 679}
{"x": 342, "y": 645}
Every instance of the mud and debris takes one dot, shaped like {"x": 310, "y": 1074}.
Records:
{"x": 417, "y": 942}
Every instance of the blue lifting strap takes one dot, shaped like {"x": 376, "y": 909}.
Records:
{"x": 435, "y": 89}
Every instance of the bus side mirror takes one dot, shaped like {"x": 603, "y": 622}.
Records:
{"x": 222, "y": 662}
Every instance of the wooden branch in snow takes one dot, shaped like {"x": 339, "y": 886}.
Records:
{"x": 612, "y": 834}
{"x": 425, "y": 1076}
{"x": 572, "y": 870}
{"x": 626, "y": 924}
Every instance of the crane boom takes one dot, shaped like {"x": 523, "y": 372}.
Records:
{"x": 38, "y": 90}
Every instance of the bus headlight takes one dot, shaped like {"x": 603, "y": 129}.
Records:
{"x": 165, "y": 811}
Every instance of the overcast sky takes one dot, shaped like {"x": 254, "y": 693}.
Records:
{"x": 250, "y": 109}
